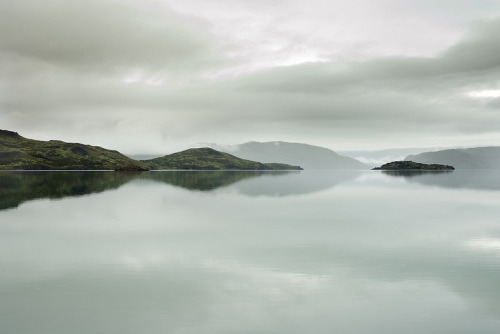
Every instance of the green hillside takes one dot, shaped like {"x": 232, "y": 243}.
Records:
{"x": 209, "y": 159}
{"x": 17, "y": 152}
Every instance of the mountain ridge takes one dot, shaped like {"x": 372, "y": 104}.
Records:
{"x": 487, "y": 157}
{"x": 305, "y": 155}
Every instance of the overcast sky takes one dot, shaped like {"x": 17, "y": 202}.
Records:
{"x": 157, "y": 76}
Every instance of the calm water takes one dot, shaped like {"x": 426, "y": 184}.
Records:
{"x": 249, "y": 252}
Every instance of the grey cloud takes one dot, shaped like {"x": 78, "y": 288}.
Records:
{"x": 477, "y": 53}
{"x": 99, "y": 35}
{"x": 75, "y": 89}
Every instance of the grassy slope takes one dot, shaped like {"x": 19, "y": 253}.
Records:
{"x": 209, "y": 159}
{"x": 17, "y": 152}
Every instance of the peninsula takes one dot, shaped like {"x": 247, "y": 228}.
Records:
{"x": 17, "y": 152}
{"x": 20, "y": 153}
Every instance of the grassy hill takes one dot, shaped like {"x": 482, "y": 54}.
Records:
{"x": 17, "y": 152}
{"x": 209, "y": 159}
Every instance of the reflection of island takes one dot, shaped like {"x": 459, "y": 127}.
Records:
{"x": 485, "y": 179}
{"x": 414, "y": 173}
{"x": 204, "y": 180}
{"x": 19, "y": 187}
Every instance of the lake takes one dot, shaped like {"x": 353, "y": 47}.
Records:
{"x": 250, "y": 252}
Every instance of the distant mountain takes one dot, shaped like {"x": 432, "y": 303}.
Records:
{"x": 17, "y": 152}
{"x": 379, "y": 157}
{"x": 304, "y": 155}
{"x": 469, "y": 158}
{"x": 209, "y": 159}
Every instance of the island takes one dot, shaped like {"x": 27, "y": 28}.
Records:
{"x": 462, "y": 158}
{"x": 410, "y": 165}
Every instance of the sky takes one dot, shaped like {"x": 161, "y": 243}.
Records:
{"x": 158, "y": 76}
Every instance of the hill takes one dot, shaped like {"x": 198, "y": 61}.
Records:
{"x": 209, "y": 159}
{"x": 304, "y": 155}
{"x": 469, "y": 158}
{"x": 17, "y": 152}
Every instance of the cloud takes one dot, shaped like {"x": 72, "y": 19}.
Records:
{"x": 99, "y": 35}
{"x": 145, "y": 77}
{"x": 477, "y": 53}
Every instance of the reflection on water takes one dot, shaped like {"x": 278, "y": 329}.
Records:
{"x": 18, "y": 187}
{"x": 301, "y": 183}
{"x": 206, "y": 180}
{"x": 200, "y": 253}
{"x": 487, "y": 179}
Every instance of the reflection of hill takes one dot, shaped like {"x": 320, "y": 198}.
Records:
{"x": 485, "y": 179}
{"x": 295, "y": 183}
{"x": 254, "y": 183}
{"x": 19, "y": 187}
{"x": 203, "y": 180}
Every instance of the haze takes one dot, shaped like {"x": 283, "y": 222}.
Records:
{"x": 147, "y": 77}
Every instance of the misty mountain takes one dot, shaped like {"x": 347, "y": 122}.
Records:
{"x": 469, "y": 158}
{"x": 304, "y": 155}
{"x": 379, "y": 157}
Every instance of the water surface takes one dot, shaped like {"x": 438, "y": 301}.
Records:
{"x": 249, "y": 252}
